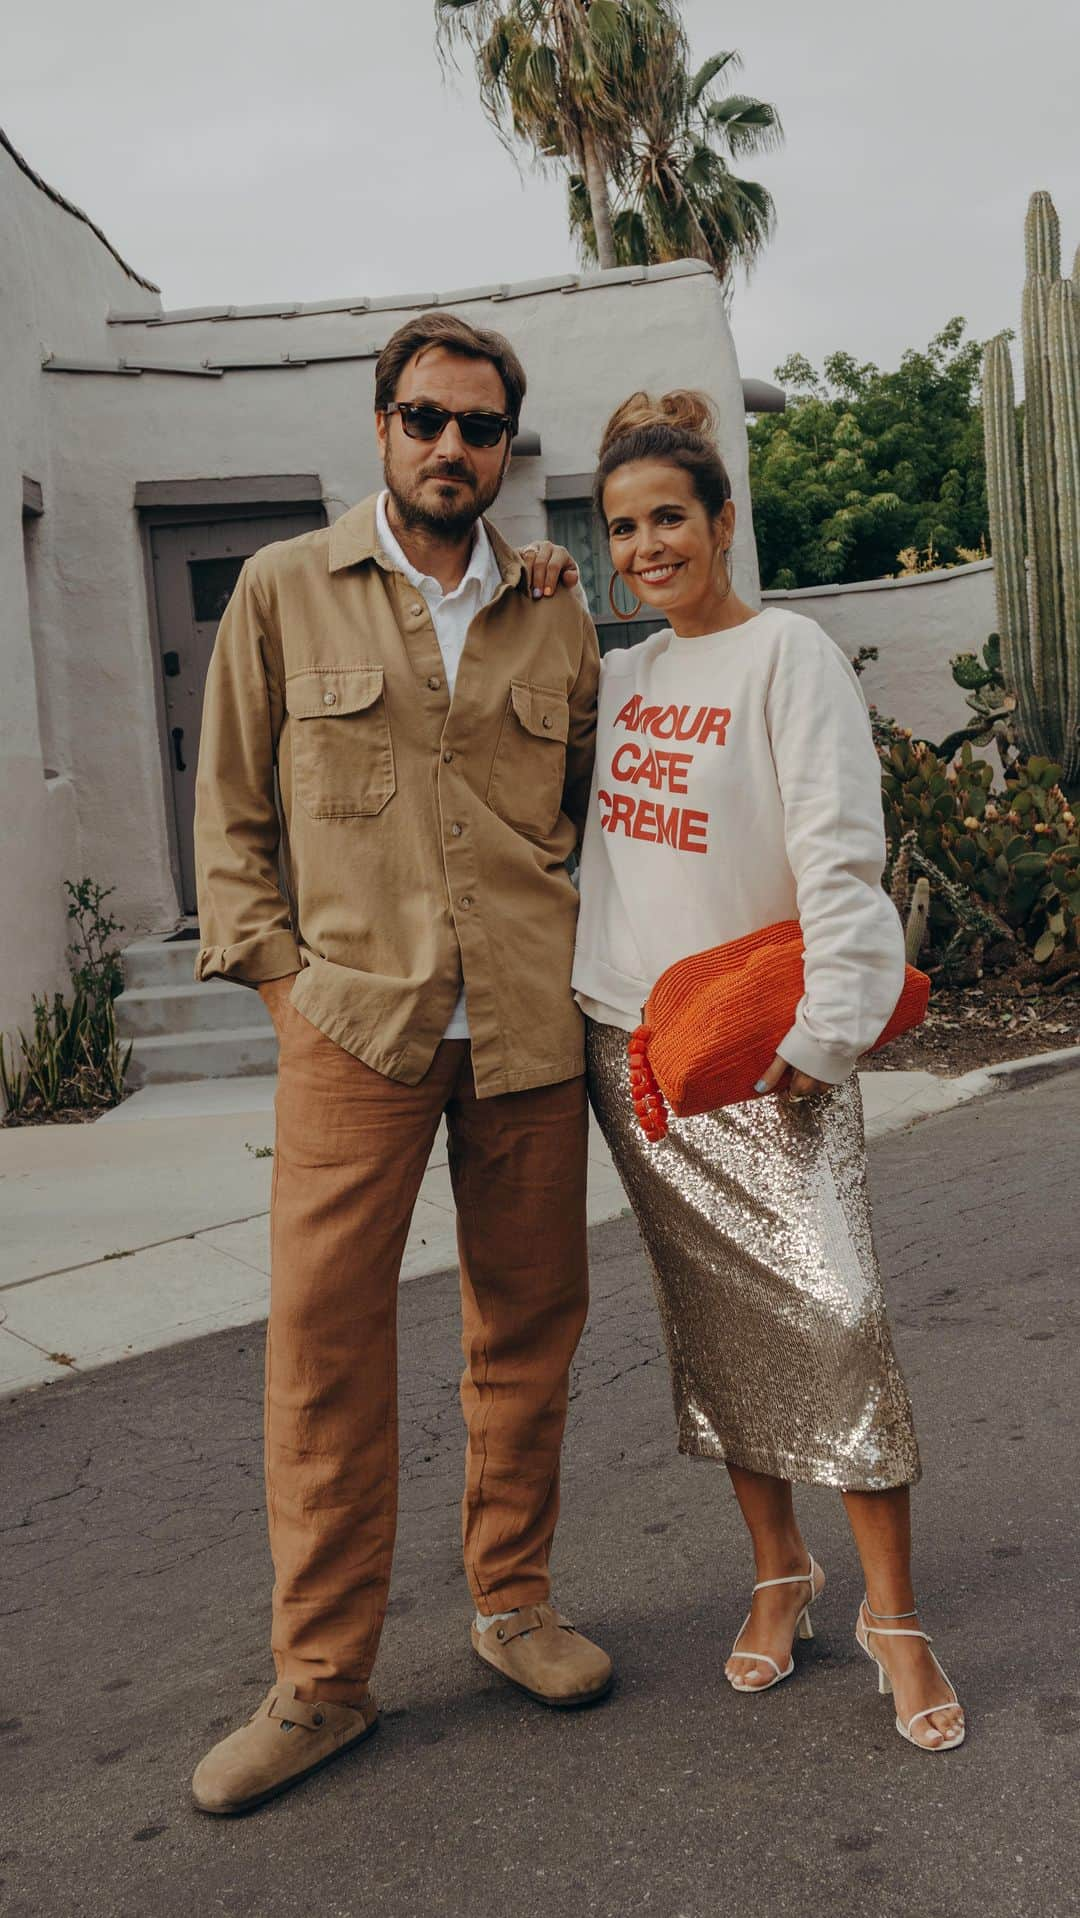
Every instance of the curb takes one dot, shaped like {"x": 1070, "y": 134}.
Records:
{"x": 1038, "y": 1065}
{"x": 1016, "y": 1072}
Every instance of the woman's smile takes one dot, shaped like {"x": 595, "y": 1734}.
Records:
{"x": 669, "y": 549}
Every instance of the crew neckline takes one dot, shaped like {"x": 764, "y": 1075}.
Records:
{"x": 682, "y": 643}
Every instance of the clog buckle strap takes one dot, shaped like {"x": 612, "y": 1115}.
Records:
{"x": 289, "y": 1710}
{"x": 531, "y": 1618}
{"x": 282, "y": 1705}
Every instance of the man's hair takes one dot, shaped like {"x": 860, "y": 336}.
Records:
{"x": 456, "y": 336}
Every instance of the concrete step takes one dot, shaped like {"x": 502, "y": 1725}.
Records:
{"x": 217, "y": 1006}
{"x": 237, "y": 1052}
{"x": 159, "y": 961}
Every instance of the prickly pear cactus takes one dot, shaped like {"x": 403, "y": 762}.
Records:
{"x": 1015, "y": 851}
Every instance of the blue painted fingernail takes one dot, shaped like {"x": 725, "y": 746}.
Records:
{"x": 537, "y": 594}
{"x": 760, "y": 1087}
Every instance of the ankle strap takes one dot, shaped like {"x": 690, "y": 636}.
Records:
{"x": 889, "y": 1616}
{"x": 796, "y": 1578}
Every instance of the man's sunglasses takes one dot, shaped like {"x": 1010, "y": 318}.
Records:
{"x": 430, "y": 423}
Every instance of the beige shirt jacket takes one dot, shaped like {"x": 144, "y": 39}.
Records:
{"x": 420, "y": 841}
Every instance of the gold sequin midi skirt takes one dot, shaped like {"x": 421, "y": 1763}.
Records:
{"x": 756, "y": 1220}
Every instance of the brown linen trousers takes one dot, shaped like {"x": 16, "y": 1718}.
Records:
{"x": 352, "y": 1148}
{"x": 416, "y": 842}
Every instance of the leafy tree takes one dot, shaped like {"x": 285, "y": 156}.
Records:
{"x": 677, "y": 196}
{"x": 562, "y": 76}
{"x": 866, "y": 463}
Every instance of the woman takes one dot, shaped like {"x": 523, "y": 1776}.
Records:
{"x": 737, "y": 786}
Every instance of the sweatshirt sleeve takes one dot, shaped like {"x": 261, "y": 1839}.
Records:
{"x": 830, "y": 785}
{"x": 243, "y": 916}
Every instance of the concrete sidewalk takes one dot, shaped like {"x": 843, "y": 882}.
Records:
{"x": 149, "y": 1226}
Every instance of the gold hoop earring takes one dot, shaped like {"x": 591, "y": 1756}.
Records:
{"x": 611, "y": 601}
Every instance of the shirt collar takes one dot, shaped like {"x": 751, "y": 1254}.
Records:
{"x": 352, "y": 540}
{"x": 483, "y": 569}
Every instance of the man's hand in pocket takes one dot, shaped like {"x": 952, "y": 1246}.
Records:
{"x": 275, "y": 995}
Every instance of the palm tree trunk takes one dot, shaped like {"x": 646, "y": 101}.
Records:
{"x": 599, "y": 200}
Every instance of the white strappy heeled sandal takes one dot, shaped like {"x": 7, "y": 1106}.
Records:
{"x": 803, "y": 1629}
{"x": 862, "y": 1634}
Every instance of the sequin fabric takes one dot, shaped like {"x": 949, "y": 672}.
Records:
{"x": 756, "y": 1220}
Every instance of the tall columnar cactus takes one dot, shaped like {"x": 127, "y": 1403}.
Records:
{"x": 1038, "y": 581}
{"x": 1064, "y": 338}
{"x": 1004, "y": 497}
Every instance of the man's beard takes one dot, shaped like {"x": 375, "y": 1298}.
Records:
{"x": 450, "y": 518}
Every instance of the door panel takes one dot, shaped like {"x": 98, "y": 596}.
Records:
{"x": 196, "y": 567}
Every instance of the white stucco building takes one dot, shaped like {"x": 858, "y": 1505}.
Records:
{"x": 145, "y": 453}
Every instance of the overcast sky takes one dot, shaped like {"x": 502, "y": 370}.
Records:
{"x": 250, "y": 150}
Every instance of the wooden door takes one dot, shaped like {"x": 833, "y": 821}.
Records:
{"x": 196, "y": 565}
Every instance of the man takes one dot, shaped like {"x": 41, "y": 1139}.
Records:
{"x": 431, "y": 721}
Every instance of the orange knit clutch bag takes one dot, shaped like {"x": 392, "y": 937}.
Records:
{"x": 713, "y": 1022}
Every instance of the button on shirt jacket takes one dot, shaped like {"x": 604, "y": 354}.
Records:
{"x": 422, "y": 838}
{"x": 451, "y": 615}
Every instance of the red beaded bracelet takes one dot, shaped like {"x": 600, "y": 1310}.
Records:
{"x": 649, "y": 1102}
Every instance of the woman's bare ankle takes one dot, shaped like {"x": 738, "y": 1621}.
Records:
{"x": 780, "y": 1557}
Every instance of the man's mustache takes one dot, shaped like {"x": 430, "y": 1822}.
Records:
{"x": 449, "y": 470}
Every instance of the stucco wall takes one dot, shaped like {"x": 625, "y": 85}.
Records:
{"x": 583, "y": 351}
{"x": 917, "y": 624}
{"x": 57, "y": 283}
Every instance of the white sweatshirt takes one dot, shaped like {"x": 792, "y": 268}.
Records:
{"x": 736, "y": 785}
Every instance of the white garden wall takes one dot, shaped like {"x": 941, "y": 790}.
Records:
{"x": 918, "y": 624}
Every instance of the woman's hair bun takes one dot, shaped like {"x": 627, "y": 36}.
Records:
{"x": 680, "y": 428}
{"x": 683, "y": 409}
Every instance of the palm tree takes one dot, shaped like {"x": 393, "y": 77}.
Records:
{"x": 678, "y": 195}
{"x": 562, "y": 75}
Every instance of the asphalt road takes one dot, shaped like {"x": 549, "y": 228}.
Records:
{"x": 134, "y": 1613}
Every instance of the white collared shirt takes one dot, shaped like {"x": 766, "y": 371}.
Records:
{"x": 451, "y": 615}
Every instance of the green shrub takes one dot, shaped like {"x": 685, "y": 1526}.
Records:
{"x": 73, "y": 1060}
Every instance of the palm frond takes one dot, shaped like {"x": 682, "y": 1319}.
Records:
{"x": 701, "y": 166}
{"x": 609, "y": 31}
{"x": 706, "y": 74}
{"x": 493, "y": 56}
{"x": 748, "y": 126}
{"x": 631, "y": 238}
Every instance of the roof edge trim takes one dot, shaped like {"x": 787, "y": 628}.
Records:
{"x": 495, "y": 294}
{"x": 76, "y": 212}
